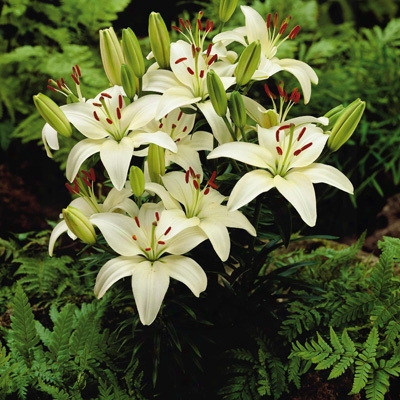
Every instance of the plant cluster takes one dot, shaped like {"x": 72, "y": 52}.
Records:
{"x": 187, "y": 167}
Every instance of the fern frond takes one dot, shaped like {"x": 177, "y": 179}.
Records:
{"x": 388, "y": 310}
{"x": 377, "y": 386}
{"x": 382, "y": 275}
{"x": 347, "y": 355}
{"x": 23, "y": 333}
{"x": 392, "y": 333}
{"x": 358, "y": 305}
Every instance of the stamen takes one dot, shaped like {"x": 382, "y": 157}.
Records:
{"x": 179, "y": 60}
{"x": 120, "y": 101}
{"x": 106, "y": 95}
{"x": 134, "y": 237}
{"x": 208, "y": 52}
{"x": 109, "y": 121}
{"x": 298, "y": 151}
{"x": 212, "y": 59}
{"x": 279, "y": 150}
{"x": 199, "y": 24}
{"x": 301, "y": 134}
{"x": 161, "y": 242}
{"x": 269, "y": 20}
{"x": 196, "y": 184}
{"x": 268, "y": 92}
{"x": 180, "y": 115}
{"x": 293, "y": 33}
{"x": 147, "y": 249}
{"x": 96, "y": 117}
{"x": 187, "y": 176}
{"x": 201, "y": 73}
{"x": 191, "y": 72}
{"x": 137, "y": 222}
{"x": 118, "y": 113}
{"x": 167, "y": 231}
{"x": 212, "y": 179}
{"x": 206, "y": 191}
{"x": 78, "y": 70}
{"x": 157, "y": 216}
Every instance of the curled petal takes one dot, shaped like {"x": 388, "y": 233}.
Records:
{"x": 58, "y": 230}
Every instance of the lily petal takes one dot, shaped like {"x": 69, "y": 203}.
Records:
{"x": 150, "y": 282}
{"x": 58, "y": 230}
{"x": 218, "y": 236}
{"x": 116, "y": 158}
{"x": 79, "y": 153}
{"x": 249, "y": 187}
{"x": 299, "y": 191}
{"x": 187, "y": 271}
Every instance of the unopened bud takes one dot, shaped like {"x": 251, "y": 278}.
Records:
{"x": 248, "y": 63}
{"x": 333, "y": 116}
{"x": 237, "y": 109}
{"x": 128, "y": 80}
{"x": 156, "y": 162}
{"x": 159, "y": 40}
{"x": 52, "y": 114}
{"x": 217, "y": 94}
{"x": 133, "y": 52}
{"x": 136, "y": 179}
{"x": 111, "y": 55}
{"x": 226, "y": 9}
{"x": 346, "y": 124}
{"x": 79, "y": 225}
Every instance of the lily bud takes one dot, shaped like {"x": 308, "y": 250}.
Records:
{"x": 133, "y": 52}
{"x": 217, "y": 94}
{"x": 159, "y": 40}
{"x": 136, "y": 179}
{"x": 156, "y": 162}
{"x": 111, "y": 55}
{"x": 226, "y": 9}
{"x": 237, "y": 109}
{"x": 52, "y": 114}
{"x": 333, "y": 116}
{"x": 270, "y": 119}
{"x": 346, "y": 124}
{"x": 248, "y": 63}
{"x": 128, "y": 80}
{"x": 79, "y": 225}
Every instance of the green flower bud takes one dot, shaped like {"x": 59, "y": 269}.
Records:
{"x": 226, "y": 9}
{"x": 156, "y": 162}
{"x": 159, "y": 40}
{"x": 237, "y": 109}
{"x": 269, "y": 119}
{"x": 133, "y": 52}
{"x": 128, "y": 80}
{"x": 346, "y": 124}
{"x": 217, "y": 94}
{"x": 333, "y": 116}
{"x": 52, "y": 114}
{"x": 136, "y": 179}
{"x": 79, "y": 225}
{"x": 248, "y": 63}
{"x": 111, "y": 55}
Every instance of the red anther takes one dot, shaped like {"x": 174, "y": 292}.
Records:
{"x": 137, "y": 222}
{"x": 147, "y": 249}
{"x": 177, "y": 140}
{"x": 157, "y": 216}
{"x": 268, "y": 92}
{"x": 188, "y": 25}
{"x": 211, "y": 181}
{"x": 134, "y": 237}
{"x": 306, "y": 146}
{"x": 206, "y": 191}
{"x": 106, "y": 95}
{"x": 182, "y": 23}
{"x": 175, "y": 28}
{"x": 180, "y": 115}
{"x": 168, "y": 230}
{"x": 295, "y": 95}
{"x": 293, "y": 33}
{"x": 52, "y": 88}
{"x": 279, "y": 150}
{"x": 97, "y": 104}
{"x": 209, "y": 25}
{"x": 212, "y": 59}
{"x": 86, "y": 181}
{"x": 301, "y": 134}
{"x": 173, "y": 126}
{"x": 92, "y": 175}
{"x": 201, "y": 74}
{"x": 59, "y": 84}
{"x": 161, "y": 125}
{"x": 73, "y": 190}
{"x": 184, "y": 129}
{"x": 187, "y": 176}
{"x": 281, "y": 90}
{"x": 78, "y": 70}
{"x": 283, "y": 28}
{"x": 192, "y": 172}
{"x": 179, "y": 60}
{"x": 196, "y": 184}
{"x": 161, "y": 242}
{"x": 120, "y": 101}
{"x": 193, "y": 47}
{"x": 209, "y": 48}
{"x": 199, "y": 24}
{"x": 191, "y": 72}
{"x": 76, "y": 80}
{"x": 109, "y": 121}
{"x": 96, "y": 117}
{"x": 118, "y": 113}
{"x": 276, "y": 18}
{"x": 269, "y": 20}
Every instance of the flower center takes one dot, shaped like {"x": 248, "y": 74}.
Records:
{"x": 156, "y": 244}
{"x": 288, "y": 139}
{"x": 275, "y": 32}
{"x": 109, "y": 116}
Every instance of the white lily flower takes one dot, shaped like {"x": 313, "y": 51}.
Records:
{"x": 287, "y": 154}
{"x": 150, "y": 247}
{"x": 186, "y": 83}
{"x": 114, "y": 130}
{"x": 182, "y": 191}
{"x": 269, "y": 34}
{"x": 179, "y": 126}
{"x": 116, "y": 201}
